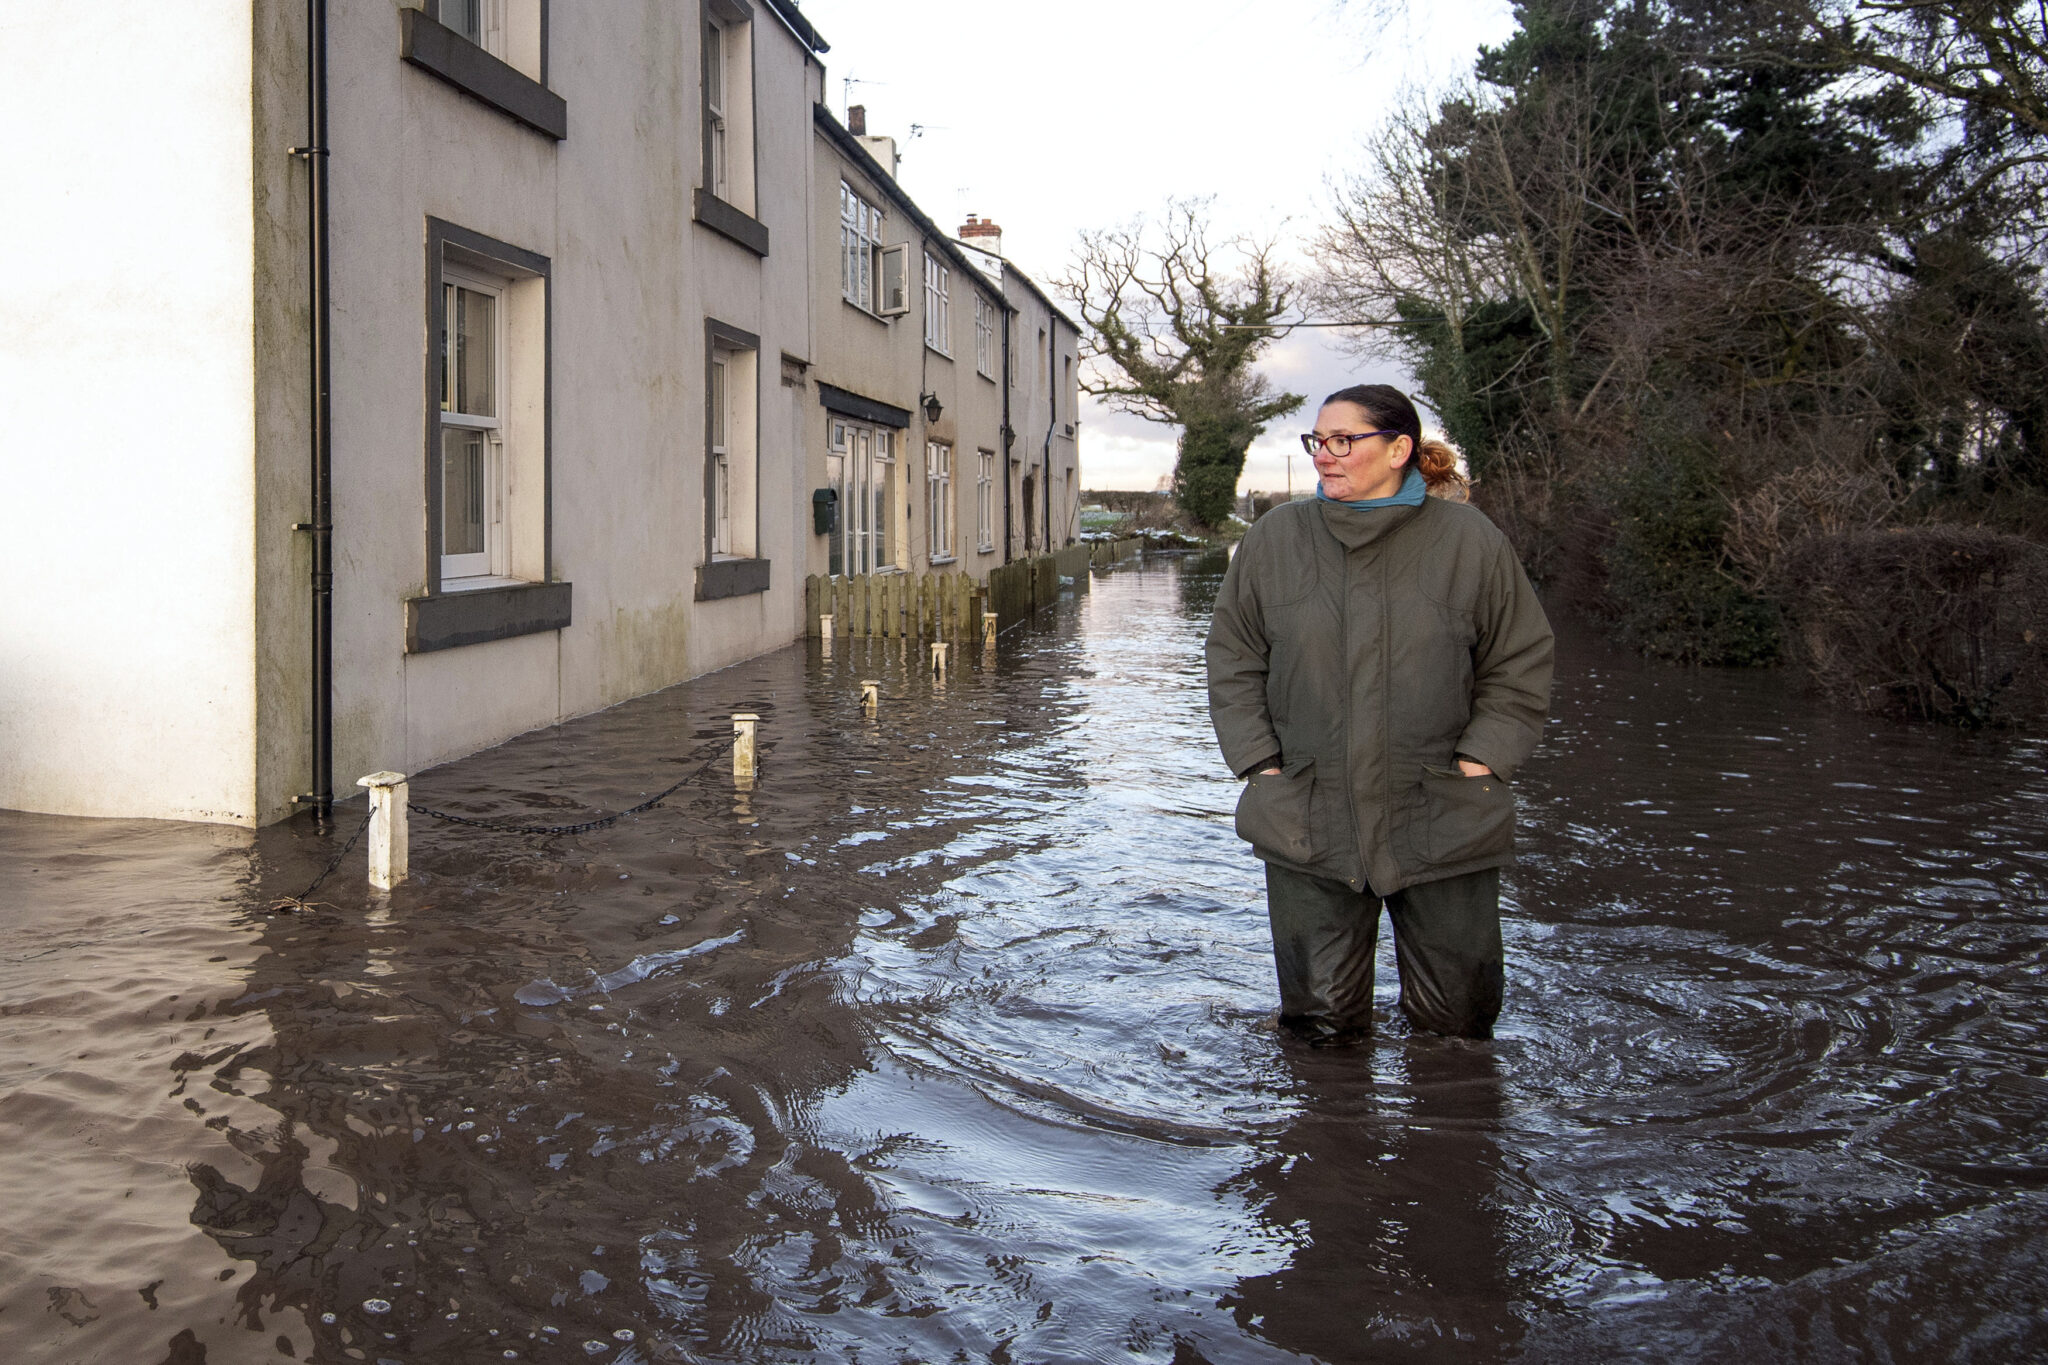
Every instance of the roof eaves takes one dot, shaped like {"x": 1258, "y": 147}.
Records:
{"x": 1010, "y": 268}
{"x": 790, "y": 15}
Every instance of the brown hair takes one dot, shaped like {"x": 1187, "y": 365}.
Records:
{"x": 1434, "y": 456}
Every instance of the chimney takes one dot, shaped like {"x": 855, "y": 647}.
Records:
{"x": 983, "y": 233}
{"x": 857, "y": 119}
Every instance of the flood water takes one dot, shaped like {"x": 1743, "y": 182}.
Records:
{"x": 950, "y": 1040}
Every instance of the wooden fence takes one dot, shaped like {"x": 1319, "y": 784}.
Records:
{"x": 948, "y": 606}
{"x": 892, "y": 606}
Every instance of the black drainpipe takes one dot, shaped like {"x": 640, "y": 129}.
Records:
{"x": 1052, "y": 369}
{"x": 1009, "y": 436}
{"x": 322, "y": 525}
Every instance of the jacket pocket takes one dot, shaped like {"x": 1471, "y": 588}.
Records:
{"x": 1469, "y": 817}
{"x": 1272, "y": 811}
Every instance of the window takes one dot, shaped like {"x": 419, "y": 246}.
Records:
{"x": 985, "y": 504}
{"x": 896, "y": 280}
{"x": 984, "y": 336}
{"x": 487, "y": 467}
{"x": 472, "y": 464}
{"x": 731, "y": 461}
{"x": 714, "y": 107}
{"x": 860, "y": 248}
{"x": 729, "y": 104}
{"x": 938, "y": 316}
{"x": 721, "y": 462}
{"x": 938, "y": 479}
{"x": 861, "y": 465}
{"x": 871, "y": 276}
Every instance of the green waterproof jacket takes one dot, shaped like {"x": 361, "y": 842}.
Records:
{"x": 1363, "y": 652}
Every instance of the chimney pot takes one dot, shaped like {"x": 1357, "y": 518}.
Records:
{"x": 857, "y": 119}
{"x": 984, "y": 233}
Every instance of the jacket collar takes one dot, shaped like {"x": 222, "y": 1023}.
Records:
{"x": 1357, "y": 529}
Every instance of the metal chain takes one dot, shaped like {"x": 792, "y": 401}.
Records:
{"x": 299, "y": 902}
{"x": 508, "y": 827}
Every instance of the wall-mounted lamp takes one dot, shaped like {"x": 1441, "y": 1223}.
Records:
{"x": 932, "y": 406}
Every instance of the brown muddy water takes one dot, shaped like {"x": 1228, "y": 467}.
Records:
{"x": 948, "y": 1041}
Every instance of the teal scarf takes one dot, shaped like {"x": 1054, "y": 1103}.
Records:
{"x": 1413, "y": 491}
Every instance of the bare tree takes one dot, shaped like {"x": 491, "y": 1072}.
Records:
{"x": 1399, "y": 242}
{"x": 1173, "y": 326}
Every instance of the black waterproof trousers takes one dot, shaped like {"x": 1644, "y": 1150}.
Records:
{"x": 1446, "y": 943}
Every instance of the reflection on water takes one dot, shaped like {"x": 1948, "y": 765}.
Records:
{"x": 948, "y": 1039}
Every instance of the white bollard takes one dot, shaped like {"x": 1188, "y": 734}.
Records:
{"x": 743, "y": 723}
{"x": 870, "y": 695}
{"x": 825, "y": 624}
{"x": 390, "y": 849}
{"x": 939, "y": 657}
{"x": 988, "y": 627}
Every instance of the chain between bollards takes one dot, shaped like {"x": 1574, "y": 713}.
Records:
{"x": 302, "y": 901}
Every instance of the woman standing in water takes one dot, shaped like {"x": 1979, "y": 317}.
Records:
{"x": 1379, "y": 668}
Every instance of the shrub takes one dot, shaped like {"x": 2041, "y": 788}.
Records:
{"x": 1925, "y": 623}
{"x": 1668, "y": 588}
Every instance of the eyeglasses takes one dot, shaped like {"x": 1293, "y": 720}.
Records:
{"x": 1338, "y": 444}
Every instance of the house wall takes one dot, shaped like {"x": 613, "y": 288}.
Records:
{"x": 632, "y": 279}
{"x": 154, "y": 378}
{"x": 1044, "y": 409}
{"x": 154, "y": 373}
{"x": 978, "y": 398}
{"x": 888, "y": 360}
{"x": 127, "y": 449}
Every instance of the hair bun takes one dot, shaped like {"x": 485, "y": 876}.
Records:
{"x": 1438, "y": 461}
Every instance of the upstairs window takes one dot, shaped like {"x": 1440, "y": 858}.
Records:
{"x": 938, "y": 315}
{"x": 860, "y": 249}
{"x": 714, "y": 107}
{"x": 728, "y": 110}
{"x": 871, "y": 276}
{"x": 984, "y": 337}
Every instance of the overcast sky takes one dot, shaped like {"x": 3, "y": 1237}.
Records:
{"x": 1065, "y": 115}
